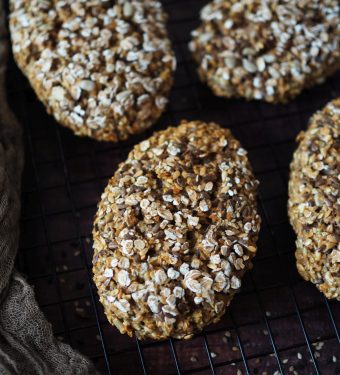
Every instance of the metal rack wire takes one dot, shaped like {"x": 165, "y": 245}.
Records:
{"x": 277, "y": 324}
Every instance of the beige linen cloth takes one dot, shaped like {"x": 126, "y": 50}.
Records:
{"x": 27, "y": 345}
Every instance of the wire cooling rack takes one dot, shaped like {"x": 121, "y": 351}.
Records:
{"x": 278, "y": 324}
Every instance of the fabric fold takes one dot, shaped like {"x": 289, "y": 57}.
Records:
{"x": 27, "y": 344}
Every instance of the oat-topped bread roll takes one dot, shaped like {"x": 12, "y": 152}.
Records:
{"x": 175, "y": 231}
{"x": 267, "y": 49}
{"x": 102, "y": 68}
{"x": 314, "y": 201}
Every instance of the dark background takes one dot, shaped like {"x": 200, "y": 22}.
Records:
{"x": 277, "y": 323}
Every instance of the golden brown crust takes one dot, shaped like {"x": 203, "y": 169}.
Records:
{"x": 175, "y": 231}
{"x": 268, "y": 50}
{"x": 314, "y": 206}
{"x": 102, "y": 70}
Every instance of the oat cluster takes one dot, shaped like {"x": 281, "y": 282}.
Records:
{"x": 267, "y": 49}
{"x": 175, "y": 231}
{"x": 102, "y": 68}
{"x": 314, "y": 200}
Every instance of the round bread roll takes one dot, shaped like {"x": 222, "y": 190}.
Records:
{"x": 314, "y": 203}
{"x": 103, "y": 70}
{"x": 267, "y": 49}
{"x": 175, "y": 231}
